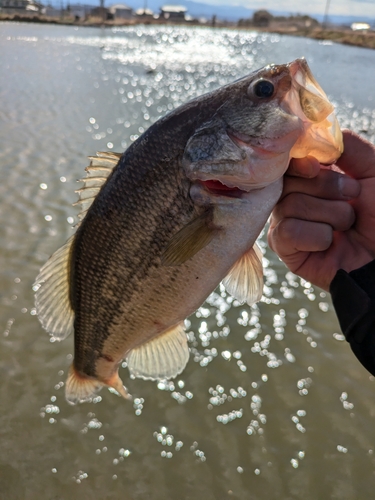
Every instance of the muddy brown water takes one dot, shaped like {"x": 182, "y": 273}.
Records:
{"x": 272, "y": 405}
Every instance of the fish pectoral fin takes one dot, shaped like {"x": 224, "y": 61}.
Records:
{"x": 245, "y": 279}
{"x": 51, "y": 288}
{"x": 163, "y": 357}
{"x": 81, "y": 389}
{"x": 189, "y": 240}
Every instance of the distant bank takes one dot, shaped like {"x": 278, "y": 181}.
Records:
{"x": 365, "y": 39}
{"x": 345, "y": 36}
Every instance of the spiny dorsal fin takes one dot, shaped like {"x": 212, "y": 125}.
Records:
{"x": 245, "y": 279}
{"x": 162, "y": 357}
{"x": 52, "y": 294}
{"x": 190, "y": 240}
{"x": 99, "y": 169}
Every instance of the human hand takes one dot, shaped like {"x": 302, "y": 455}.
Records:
{"x": 325, "y": 220}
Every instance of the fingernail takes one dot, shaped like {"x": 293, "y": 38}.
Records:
{"x": 349, "y": 188}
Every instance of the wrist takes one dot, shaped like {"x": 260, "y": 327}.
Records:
{"x": 352, "y": 295}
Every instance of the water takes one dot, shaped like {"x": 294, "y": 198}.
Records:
{"x": 272, "y": 404}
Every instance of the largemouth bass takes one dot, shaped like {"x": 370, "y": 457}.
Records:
{"x": 177, "y": 213}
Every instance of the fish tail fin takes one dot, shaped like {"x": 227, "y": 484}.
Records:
{"x": 81, "y": 389}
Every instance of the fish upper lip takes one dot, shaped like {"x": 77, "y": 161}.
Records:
{"x": 244, "y": 140}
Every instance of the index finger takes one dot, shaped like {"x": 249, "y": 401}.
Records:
{"x": 358, "y": 158}
{"x": 327, "y": 184}
{"x": 307, "y": 167}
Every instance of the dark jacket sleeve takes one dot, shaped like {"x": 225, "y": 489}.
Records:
{"x": 353, "y": 296}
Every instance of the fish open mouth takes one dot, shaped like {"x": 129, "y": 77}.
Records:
{"x": 217, "y": 187}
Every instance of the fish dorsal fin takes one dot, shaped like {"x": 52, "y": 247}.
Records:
{"x": 99, "y": 169}
{"x": 245, "y": 279}
{"x": 162, "y": 357}
{"x": 52, "y": 283}
{"x": 51, "y": 288}
{"x": 189, "y": 240}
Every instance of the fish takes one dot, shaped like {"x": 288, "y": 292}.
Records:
{"x": 165, "y": 222}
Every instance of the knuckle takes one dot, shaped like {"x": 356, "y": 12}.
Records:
{"x": 346, "y": 216}
{"x": 279, "y": 237}
{"x": 289, "y": 230}
{"x": 294, "y": 205}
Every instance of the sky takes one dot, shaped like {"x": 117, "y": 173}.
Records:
{"x": 336, "y": 7}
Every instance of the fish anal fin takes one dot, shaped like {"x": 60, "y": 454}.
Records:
{"x": 190, "y": 240}
{"x": 245, "y": 279}
{"x": 81, "y": 389}
{"x": 162, "y": 357}
{"x": 52, "y": 289}
{"x": 116, "y": 383}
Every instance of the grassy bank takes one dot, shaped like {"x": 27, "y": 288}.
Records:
{"x": 338, "y": 35}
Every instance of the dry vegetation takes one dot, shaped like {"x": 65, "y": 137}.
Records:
{"x": 340, "y": 35}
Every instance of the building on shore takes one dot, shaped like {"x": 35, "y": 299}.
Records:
{"x": 78, "y": 11}
{"x": 20, "y": 6}
{"x": 173, "y": 12}
{"x": 264, "y": 19}
{"x": 144, "y": 13}
{"x": 360, "y": 27}
{"x": 99, "y": 12}
{"x": 120, "y": 11}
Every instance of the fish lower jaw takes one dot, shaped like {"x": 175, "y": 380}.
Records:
{"x": 216, "y": 187}
{"x": 228, "y": 188}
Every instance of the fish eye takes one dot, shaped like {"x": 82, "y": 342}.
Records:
{"x": 264, "y": 88}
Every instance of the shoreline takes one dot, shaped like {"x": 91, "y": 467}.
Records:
{"x": 345, "y": 36}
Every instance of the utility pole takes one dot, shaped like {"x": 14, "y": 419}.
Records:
{"x": 325, "y": 19}
{"x": 102, "y": 8}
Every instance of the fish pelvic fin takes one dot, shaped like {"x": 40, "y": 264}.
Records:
{"x": 81, "y": 389}
{"x": 52, "y": 299}
{"x": 163, "y": 357}
{"x": 245, "y": 279}
{"x": 190, "y": 240}
{"x": 97, "y": 173}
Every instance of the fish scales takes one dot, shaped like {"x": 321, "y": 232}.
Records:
{"x": 125, "y": 228}
{"x": 137, "y": 210}
{"x": 179, "y": 212}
